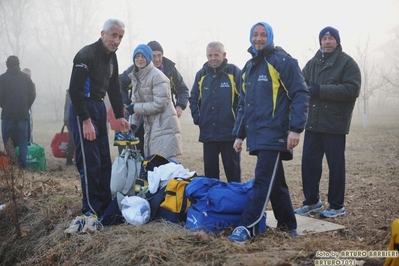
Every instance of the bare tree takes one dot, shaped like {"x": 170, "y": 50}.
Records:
{"x": 63, "y": 29}
{"x": 188, "y": 61}
{"x": 371, "y": 79}
{"x": 14, "y": 27}
{"x": 132, "y": 32}
{"x": 391, "y": 64}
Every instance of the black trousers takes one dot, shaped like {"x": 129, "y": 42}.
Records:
{"x": 314, "y": 147}
{"x": 230, "y": 160}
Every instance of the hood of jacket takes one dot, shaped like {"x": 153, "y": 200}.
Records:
{"x": 270, "y": 37}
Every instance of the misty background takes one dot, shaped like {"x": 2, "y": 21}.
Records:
{"x": 46, "y": 35}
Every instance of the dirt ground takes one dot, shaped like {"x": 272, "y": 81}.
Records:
{"x": 48, "y": 201}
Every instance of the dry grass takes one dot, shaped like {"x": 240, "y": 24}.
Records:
{"x": 51, "y": 199}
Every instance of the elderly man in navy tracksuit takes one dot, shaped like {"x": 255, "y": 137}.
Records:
{"x": 213, "y": 102}
{"x": 95, "y": 74}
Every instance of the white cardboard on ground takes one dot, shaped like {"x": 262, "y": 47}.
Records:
{"x": 306, "y": 224}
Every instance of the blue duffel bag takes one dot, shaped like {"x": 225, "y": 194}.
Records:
{"x": 213, "y": 222}
{"x": 210, "y": 194}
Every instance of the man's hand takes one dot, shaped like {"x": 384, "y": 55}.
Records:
{"x": 89, "y": 132}
{"x": 237, "y": 145}
{"x": 179, "y": 111}
{"x": 130, "y": 108}
{"x": 314, "y": 89}
{"x": 292, "y": 140}
{"x": 124, "y": 123}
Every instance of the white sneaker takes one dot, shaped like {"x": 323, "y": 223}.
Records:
{"x": 91, "y": 224}
{"x": 76, "y": 225}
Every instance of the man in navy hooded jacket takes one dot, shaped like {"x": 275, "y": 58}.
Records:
{"x": 271, "y": 115}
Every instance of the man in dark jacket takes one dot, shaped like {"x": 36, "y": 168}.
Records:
{"x": 213, "y": 103}
{"x": 271, "y": 115}
{"x": 95, "y": 74}
{"x": 178, "y": 88}
{"x": 334, "y": 79}
{"x": 17, "y": 94}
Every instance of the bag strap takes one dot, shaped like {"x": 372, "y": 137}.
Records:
{"x": 62, "y": 129}
{"x": 185, "y": 204}
{"x": 32, "y": 143}
{"x": 132, "y": 174}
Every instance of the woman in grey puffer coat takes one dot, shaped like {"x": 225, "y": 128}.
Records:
{"x": 152, "y": 101}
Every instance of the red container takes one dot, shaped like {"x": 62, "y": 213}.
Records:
{"x": 3, "y": 162}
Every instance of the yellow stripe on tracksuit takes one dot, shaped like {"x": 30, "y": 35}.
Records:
{"x": 200, "y": 87}
{"x": 234, "y": 90}
{"x": 276, "y": 83}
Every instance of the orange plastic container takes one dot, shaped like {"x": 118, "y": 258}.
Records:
{"x": 3, "y": 162}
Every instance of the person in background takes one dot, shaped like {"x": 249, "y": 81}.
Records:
{"x": 95, "y": 75}
{"x": 71, "y": 142}
{"x": 178, "y": 87}
{"x": 271, "y": 115}
{"x": 152, "y": 102}
{"x": 28, "y": 72}
{"x": 213, "y": 104}
{"x": 334, "y": 81}
{"x": 17, "y": 94}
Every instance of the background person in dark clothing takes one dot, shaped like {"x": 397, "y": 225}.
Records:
{"x": 95, "y": 74}
{"x": 213, "y": 104}
{"x": 17, "y": 94}
{"x": 334, "y": 79}
{"x": 178, "y": 88}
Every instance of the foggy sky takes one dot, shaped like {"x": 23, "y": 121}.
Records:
{"x": 184, "y": 28}
{"x": 177, "y": 24}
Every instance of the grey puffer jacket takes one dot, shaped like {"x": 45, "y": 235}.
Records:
{"x": 152, "y": 100}
{"x": 339, "y": 78}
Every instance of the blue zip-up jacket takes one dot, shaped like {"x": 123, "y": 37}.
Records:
{"x": 213, "y": 101}
{"x": 273, "y": 101}
{"x": 95, "y": 74}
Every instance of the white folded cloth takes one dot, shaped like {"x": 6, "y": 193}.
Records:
{"x": 159, "y": 177}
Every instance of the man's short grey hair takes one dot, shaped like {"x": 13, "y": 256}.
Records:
{"x": 213, "y": 45}
{"x": 112, "y": 21}
{"x": 26, "y": 70}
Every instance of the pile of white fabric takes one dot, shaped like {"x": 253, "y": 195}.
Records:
{"x": 159, "y": 177}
